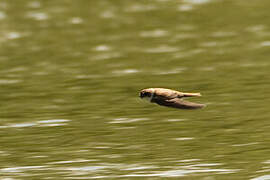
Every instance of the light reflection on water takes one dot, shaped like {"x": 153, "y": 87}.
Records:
{"x": 43, "y": 123}
{"x": 128, "y": 120}
{"x": 127, "y": 170}
{"x": 39, "y": 16}
{"x": 70, "y": 75}
{"x": 154, "y": 33}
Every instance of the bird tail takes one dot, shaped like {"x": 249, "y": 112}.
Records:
{"x": 192, "y": 94}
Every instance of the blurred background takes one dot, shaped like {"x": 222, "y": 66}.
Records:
{"x": 71, "y": 72}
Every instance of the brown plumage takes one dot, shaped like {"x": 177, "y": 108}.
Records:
{"x": 170, "y": 98}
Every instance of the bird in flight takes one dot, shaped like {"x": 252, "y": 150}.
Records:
{"x": 170, "y": 98}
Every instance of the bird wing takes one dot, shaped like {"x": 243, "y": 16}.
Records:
{"x": 171, "y": 94}
{"x": 179, "y": 103}
{"x": 165, "y": 94}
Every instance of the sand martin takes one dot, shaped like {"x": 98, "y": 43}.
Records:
{"x": 170, "y": 98}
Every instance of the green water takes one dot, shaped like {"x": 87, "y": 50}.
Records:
{"x": 71, "y": 72}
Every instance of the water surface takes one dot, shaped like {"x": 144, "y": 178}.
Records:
{"x": 70, "y": 73}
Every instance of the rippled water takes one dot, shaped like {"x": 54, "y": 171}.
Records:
{"x": 70, "y": 73}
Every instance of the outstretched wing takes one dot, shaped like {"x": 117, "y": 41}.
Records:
{"x": 181, "y": 104}
{"x": 171, "y": 94}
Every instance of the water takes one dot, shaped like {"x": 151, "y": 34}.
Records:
{"x": 71, "y": 71}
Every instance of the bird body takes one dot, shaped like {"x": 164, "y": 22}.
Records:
{"x": 170, "y": 98}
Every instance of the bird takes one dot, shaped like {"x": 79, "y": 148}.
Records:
{"x": 170, "y": 98}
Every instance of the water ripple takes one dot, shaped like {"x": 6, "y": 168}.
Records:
{"x": 129, "y": 170}
{"x": 13, "y": 35}
{"x": 22, "y": 125}
{"x": 223, "y": 34}
{"x": 125, "y": 71}
{"x": 246, "y": 144}
{"x": 264, "y": 177}
{"x": 184, "y": 138}
{"x": 140, "y": 8}
{"x": 175, "y": 120}
{"x": 39, "y": 16}
{"x": 2, "y": 15}
{"x": 9, "y": 81}
{"x": 54, "y": 121}
{"x": 43, "y": 123}
{"x": 197, "y": 1}
{"x": 265, "y": 43}
{"x": 127, "y": 120}
{"x": 107, "y": 55}
{"x": 267, "y": 162}
{"x": 20, "y": 169}
{"x": 102, "y": 48}
{"x": 256, "y": 28}
{"x": 185, "y": 7}
{"x": 34, "y": 4}
{"x": 72, "y": 161}
{"x": 172, "y": 71}
{"x": 179, "y": 173}
{"x": 162, "y": 49}
{"x": 76, "y": 20}
{"x": 107, "y": 14}
{"x": 154, "y": 33}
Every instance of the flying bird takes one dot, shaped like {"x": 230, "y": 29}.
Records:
{"x": 170, "y": 98}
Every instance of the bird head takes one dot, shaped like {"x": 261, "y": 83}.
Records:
{"x": 146, "y": 94}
